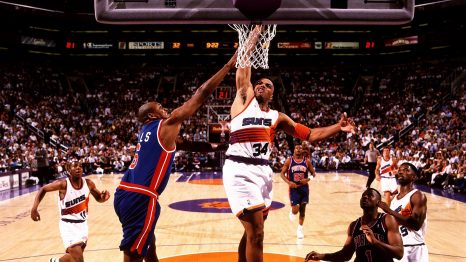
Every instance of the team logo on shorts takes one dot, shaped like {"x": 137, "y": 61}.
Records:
{"x": 211, "y": 205}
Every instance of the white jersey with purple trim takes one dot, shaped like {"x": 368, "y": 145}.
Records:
{"x": 403, "y": 206}
{"x": 75, "y": 203}
{"x": 252, "y": 132}
{"x": 386, "y": 168}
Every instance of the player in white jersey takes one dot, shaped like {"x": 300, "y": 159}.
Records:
{"x": 73, "y": 194}
{"x": 247, "y": 176}
{"x": 385, "y": 173}
{"x": 409, "y": 207}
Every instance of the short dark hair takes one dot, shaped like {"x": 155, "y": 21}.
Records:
{"x": 412, "y": 167}
{"x": 375, "y": 190}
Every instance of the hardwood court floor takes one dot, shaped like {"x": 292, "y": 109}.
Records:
{"x": 334, "y": 204}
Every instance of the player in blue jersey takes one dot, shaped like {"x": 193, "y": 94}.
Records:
{"x": 295, "y": 173}
{"x": 374, "y": 236}
{"x": 136, "y": 198}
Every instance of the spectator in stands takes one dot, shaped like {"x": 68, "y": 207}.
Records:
{"x": 42, "y": 165}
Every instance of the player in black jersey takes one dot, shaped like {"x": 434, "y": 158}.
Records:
{"x": 374, "y": 236}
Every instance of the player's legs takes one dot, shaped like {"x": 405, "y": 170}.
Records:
{"x": 242, "y": 249}
{"x": 294, "y": 201}
{"x": 388, "y": 186}
{"x": 253, "y": 224}
{"x": 132, "y": 256}
{"x": 151, "y": 253}
{"x": 302, "y": 213}
{"x": 64, "y": 258}
{"x": 371, "y": 177}
{"x": 76, "y": 253}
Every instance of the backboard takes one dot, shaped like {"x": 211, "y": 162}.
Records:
{"x": 320, "y": 12}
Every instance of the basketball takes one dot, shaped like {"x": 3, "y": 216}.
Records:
{"x": 257, "y": 10}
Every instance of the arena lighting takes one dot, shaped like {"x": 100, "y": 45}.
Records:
{"x": 432, "y": 3}
{"x": 32, "y": 7}
{"x": 44, "y": 29}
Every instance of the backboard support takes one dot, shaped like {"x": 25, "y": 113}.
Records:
{"x": 318, "y": 12}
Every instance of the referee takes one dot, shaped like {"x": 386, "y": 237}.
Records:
{"x": 370, "y": 159}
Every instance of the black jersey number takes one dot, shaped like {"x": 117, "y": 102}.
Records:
{"x": 259, "y": 149}
{"x": 403, "y": 231}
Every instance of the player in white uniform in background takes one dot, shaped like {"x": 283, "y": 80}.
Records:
{"x": 247, "y": 176}
{"x": 73, "y": 199}
{"x": 385, "y": 173}
{"x": 409, "y": 207}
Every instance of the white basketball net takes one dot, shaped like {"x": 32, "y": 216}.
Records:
{"x": 250, "y": 55}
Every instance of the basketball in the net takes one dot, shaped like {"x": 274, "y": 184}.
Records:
{"x": 257, "y": 9}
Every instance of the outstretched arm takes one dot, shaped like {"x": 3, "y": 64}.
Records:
{"x": 171, "y": 126}
{"x": 56, "y": 185}
{"x": 100, "y": 196}
{"x": 194, "y": 146}
{"x": 300, "y": 131}
{"x": 344, "y": 254}
{"x": 202, "y": 94}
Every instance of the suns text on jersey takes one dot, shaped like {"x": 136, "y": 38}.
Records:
{"x": 257, "y": 121}
{"x": 75, "y": 201}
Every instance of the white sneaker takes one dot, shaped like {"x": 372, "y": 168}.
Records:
{"x": 299, "y": 233}
{"x": 292, "y": 216}
{"x": 54, "y": 259}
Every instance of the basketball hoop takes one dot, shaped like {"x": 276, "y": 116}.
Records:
{"x": 224, "y": 124}
{"x": 252, "y": 53}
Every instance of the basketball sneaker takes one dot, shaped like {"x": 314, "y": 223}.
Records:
{"x": 292, "y": 216}
{"x": 299, "y": 232}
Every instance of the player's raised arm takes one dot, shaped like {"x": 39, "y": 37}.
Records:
{"x": 303, "y": 132}
{"x": 202, "y": 94}
{"x": 244, "y": 88}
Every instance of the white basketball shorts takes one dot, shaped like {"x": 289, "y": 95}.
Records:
{"x": 73, "y": 233}
{"x": 388, "y": 184}
{"x": 248, "y": 187}
{"x": 415, "y": 254}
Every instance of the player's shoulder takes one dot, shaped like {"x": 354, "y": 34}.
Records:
{"x": 418, "y": 196}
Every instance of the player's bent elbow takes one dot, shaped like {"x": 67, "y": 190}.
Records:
{"x": 399, "y": 253}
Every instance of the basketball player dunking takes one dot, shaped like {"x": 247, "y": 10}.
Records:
{"x": 247, "y": 176}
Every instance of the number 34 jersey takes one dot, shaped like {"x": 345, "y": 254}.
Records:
{"x": 252, "y": 132}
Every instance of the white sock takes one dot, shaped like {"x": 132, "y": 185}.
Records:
{"x": 300, "y": 227}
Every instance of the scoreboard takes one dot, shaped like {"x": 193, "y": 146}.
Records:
{"x": 223, "y": 93}
{"x": 222, "y": 45}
